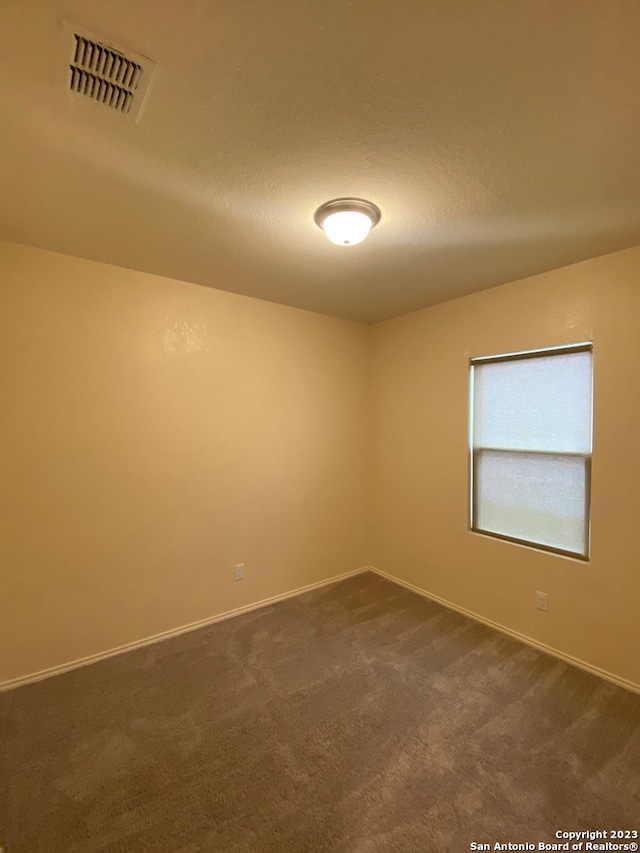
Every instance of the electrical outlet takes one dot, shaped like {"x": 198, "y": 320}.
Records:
{"x": 542, "y": 601}
{"x": 239, "y": 572}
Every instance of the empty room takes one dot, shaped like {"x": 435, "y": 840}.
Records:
{"x": 319, "y": 426}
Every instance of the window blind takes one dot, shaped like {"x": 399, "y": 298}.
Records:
{"x": 531, "y": 447}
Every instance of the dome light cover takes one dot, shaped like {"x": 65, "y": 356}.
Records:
{"x": 347, "y": 221}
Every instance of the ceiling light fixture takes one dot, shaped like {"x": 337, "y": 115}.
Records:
{"x": 347, "y": 221}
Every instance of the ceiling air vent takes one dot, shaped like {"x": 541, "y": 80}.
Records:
{"x": 106, "y": 74}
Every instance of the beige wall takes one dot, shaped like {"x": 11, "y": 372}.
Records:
{"x": 154, "y": 434}
{"x": 418, "y": 523}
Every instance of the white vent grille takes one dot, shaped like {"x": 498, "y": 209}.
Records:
{"x": 106, "y": 74}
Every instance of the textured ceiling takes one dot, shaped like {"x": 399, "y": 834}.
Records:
{"x": 500, "y": 138}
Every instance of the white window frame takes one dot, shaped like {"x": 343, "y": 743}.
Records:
{"x": 475, "y": 453}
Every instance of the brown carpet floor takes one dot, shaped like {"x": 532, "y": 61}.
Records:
{"x": 359, "y": 717}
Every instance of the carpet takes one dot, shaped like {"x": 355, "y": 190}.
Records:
{"x": 359, "y": 717}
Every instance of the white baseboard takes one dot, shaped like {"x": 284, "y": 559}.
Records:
{"x": 166, "y": 635}
{"x": 176, "y": 632}
{"x": 523, "y": 638}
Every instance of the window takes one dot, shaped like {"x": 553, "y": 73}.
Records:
{"x": 530, "y": 437}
